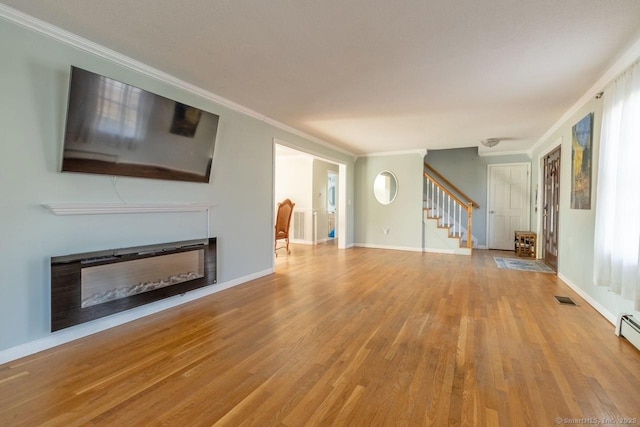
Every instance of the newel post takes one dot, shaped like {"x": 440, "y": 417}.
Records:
{"x": 469, "y": 225}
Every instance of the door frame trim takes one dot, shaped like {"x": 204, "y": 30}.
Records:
{"x": 527, "y": 198}
{"x": 538, "y": 212}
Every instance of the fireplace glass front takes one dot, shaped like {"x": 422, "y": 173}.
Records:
{"x": 88, "y": 286}
{"x": 104, "y": 283}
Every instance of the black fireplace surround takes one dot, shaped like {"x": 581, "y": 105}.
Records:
{"x": 67, "y": 273}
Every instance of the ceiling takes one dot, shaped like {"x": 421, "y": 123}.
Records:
{"x": 373, "y": 75}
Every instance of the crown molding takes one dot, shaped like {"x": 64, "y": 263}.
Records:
{"x": 121, "y": 208}
{"x": 420, "y": 151}
{"x": 502, "y": 153}
{"x": 629, "y": 57}
{"x": 31, "y": 23}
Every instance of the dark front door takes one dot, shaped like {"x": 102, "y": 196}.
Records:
{"x": 551, "y": 207}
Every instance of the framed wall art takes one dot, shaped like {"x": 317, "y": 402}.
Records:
{"x": 581, "y": 154}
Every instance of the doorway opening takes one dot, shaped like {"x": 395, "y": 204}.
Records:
{"x": 317, "y": 186}
{"x": 550, "y": 206}
{"x": 332, "y": 203}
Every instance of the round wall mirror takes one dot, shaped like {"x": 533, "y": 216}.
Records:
{"x": 385, "y": 187}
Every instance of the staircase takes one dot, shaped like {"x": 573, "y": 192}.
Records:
{"x": 447, "y": 216}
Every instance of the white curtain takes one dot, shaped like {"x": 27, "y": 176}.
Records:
{"x": 617, "y": 231}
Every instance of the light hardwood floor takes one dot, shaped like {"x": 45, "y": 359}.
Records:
{"x": 344, "y": 337}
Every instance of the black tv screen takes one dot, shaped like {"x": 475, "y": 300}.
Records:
{"x": 117, "y": 129}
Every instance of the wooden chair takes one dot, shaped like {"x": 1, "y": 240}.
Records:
{"x": 283, "y": 219}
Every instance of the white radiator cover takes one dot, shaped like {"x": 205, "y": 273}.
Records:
{"x": 305, "y": 226}
{"x": 629, "y": 327}
{"x": 298, "y": 225}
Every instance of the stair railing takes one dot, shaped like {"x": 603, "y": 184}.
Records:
{"x": 446, "y": 205}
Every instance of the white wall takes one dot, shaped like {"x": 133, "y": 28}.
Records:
{"x": 293, "y": 180}
{"x": 34, "y": 73}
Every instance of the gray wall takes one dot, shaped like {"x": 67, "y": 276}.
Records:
{"x": 34, "y": 74}
{"x": 577, "y": 226}
{"x": 468, "y": 171}
{"x": 403, "y": 217}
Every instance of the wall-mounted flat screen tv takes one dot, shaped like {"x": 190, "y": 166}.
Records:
{"x": 117, "y": 129}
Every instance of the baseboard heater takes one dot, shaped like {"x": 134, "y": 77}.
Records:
{"x": 629, "y": 327}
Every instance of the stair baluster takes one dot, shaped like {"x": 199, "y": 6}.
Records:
{"x": 442, "y": 209}
{"x": 442, "y": 201}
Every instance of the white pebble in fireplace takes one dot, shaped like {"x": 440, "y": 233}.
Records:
{"x": 105, "y": 283}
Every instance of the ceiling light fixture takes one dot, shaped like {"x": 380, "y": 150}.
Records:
{"x": 490, "y": 142}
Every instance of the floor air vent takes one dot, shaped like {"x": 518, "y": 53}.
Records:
{"x": 565, "y": 301}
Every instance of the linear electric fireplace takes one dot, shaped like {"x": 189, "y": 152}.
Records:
{"x": 88, "y": 286}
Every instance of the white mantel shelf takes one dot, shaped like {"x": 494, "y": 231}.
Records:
{"x": 121, "y": 208}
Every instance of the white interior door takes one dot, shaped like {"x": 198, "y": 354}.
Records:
{"x": 508, "y": 203}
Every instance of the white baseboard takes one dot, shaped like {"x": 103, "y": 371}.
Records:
{"x": 309, "y": 242}
{"x": 301, "y": 242}
{"x": 393, "y": 248}
{"x": 439, "y": 251}
{"x": 589, "y": 299}
{"x": 89, "y": 328}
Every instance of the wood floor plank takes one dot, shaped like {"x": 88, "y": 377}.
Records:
{"x": 343, "y": 337}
